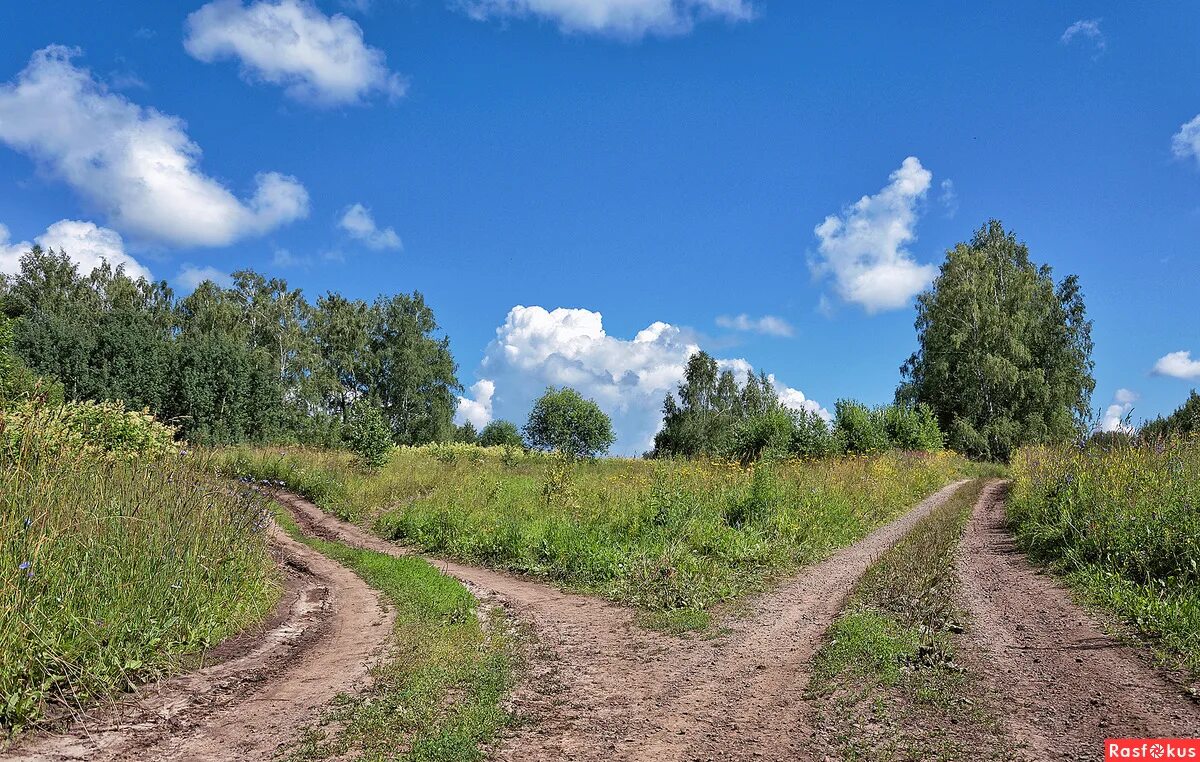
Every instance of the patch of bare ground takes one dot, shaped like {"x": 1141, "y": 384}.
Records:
{"x": 602, "y": 688}
{"x": 329, "y": 629}
{"x": 1066, "y": 685}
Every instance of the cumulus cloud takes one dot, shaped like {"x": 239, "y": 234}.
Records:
{"x": 863, "y": 248}
{"x": 1114, "y": 415}
{"x": 1186, "y": 143}
{"x": 767, "y": 324}
{"x": 627, "y": 19}
{"x": 476, "y": 408}
{"x": 85, "y": 243}
{"x": 317, "y": 59}
{"x": 1085, "y": 29}
{"x": 136, "y": 164}
{"x": 628, "y": 378}
{"x": 190, "y": 277}
{"x": 1178, "y": 365}
{"x": 360, "y": 225}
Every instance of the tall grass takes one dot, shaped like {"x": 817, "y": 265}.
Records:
{"x": 1123, "y": 523}
{"x": 663, "y": 535}
{"x": 111, "y": 570}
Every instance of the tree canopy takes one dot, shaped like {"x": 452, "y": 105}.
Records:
{"x": 1004, "y": 355}
{"x": 1184, "y": 420}
{"x": 252, "y": 362}
{"x": 563, "y": 420}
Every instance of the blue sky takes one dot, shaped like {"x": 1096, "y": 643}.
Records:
{"x": 653, "y": 166}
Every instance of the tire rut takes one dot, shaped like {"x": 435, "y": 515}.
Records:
{"x": 602, "y": 688}
{"x": 331, "y": 627}
{"x": 1066, "y": 685}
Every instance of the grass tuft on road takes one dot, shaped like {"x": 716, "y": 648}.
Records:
{"x": 438, "y": 695}
{"x": 887, "y": 683}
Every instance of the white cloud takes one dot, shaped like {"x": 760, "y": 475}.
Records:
{"x": 136, "y": 164}
{"x": 478, "y": 407}
{"x": 1178, "y": 365}
{"x": 190, "y": 277}
{"x": 1186, "y": 142}
{"x": 864, "y": 247}
{"x": 949, "y": 197}
{"x": 628, "y": 378}
{"x": 358, "y": 222}
{"x": 767, "y": 324}
{"x": 626, "y": 19}
{"x": 1085, "y": 29}
{"x": 86, "y": 244}
{"x": 316, "y": 58}
{"x": 1122, "y": 405}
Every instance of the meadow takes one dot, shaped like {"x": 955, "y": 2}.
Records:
{"x": 1121, "y": 521}
{"x": 673, "y": 537}
{"x": 118, "y": 563}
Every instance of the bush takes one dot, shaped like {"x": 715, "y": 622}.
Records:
{"x": 367, "y": 433}
{"x": 912, "y": 427}
{"x": 501, "y": 434}
{"x": 99, "y": 429}
{"x": 859, "y": 429}
{"x": 563, "y": 420}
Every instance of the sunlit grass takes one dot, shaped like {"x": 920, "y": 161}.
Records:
{"x": 1122, "y": 522}
{"x": 111, "y": 571}
{"x": 667, "y": 536}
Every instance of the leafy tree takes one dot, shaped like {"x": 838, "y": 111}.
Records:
{"x": 1185, "y": 420}
{"x": 466, "y": 434}
{"x": 563, "y": 420}
{"x": 367, "y": 433}
{"x": 500, "y": 433}
{"x": 1004, "y": 355}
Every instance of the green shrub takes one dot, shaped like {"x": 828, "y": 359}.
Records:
{"x": 100, "y": 429}
{"x": 367, "y": 433}
{"x": 858, "y": 429}
{"x": 500, "y": 433}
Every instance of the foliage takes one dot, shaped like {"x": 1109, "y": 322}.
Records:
{"x": 1004, "y": 354}
{"x": 1122, "y": 523}
{"x": 367, "y": 434}
{"x": 252, "y": 362}
{"x": 439, "y": 694}
{"x": 99, "y": 429}
{"x": 501, "y": 433}
{"x": 665, "y": 535}
{"x": 859, "y": 429}
{"x": 466, "y": 434}
{"x": 111, "y": 571}
{"x": 562, "y": 420}
{"x": 1185, "y": 420}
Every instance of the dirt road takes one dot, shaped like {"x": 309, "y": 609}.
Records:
{"x": 604, "y": 689}
{"x": 329, "y": 629}
{"x": 1066, "y": 685}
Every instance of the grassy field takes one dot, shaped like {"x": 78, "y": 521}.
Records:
{"x": 1122, "y": 524}
{"x": 886, "y": 683}
{"x": 672, "y": 537}
{"x": 113, "y": 571}
{"x": 438, "y": 695}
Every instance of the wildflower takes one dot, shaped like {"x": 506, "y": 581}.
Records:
{"x": 28, "y": 523}
{"x": 23, "y": 565}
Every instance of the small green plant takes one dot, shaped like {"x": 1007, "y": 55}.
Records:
{"x": 367, "y": 433}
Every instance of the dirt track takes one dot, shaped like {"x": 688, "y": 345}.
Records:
{"x": 1067, "y": 685}
{"x": 327, "y": 632}
{"x": 603, "y": 688}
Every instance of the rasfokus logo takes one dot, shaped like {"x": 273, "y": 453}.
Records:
{"x": 1152, "y": 748}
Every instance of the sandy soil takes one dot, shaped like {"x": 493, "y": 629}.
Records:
{"x": 1066, "y": 684}
{"x": 601, "y": 688}
{"x": 329, "y": 629}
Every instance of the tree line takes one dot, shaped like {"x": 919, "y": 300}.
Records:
{"x": 252, "y": 362}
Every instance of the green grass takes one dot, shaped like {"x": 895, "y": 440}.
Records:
{"x": 438, "y": 695}
{"x": 1121, "y": 523}
{"x": 887, "y": 682}
{"x": 115, "y": 572}
{"x": 666, "y": 536}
